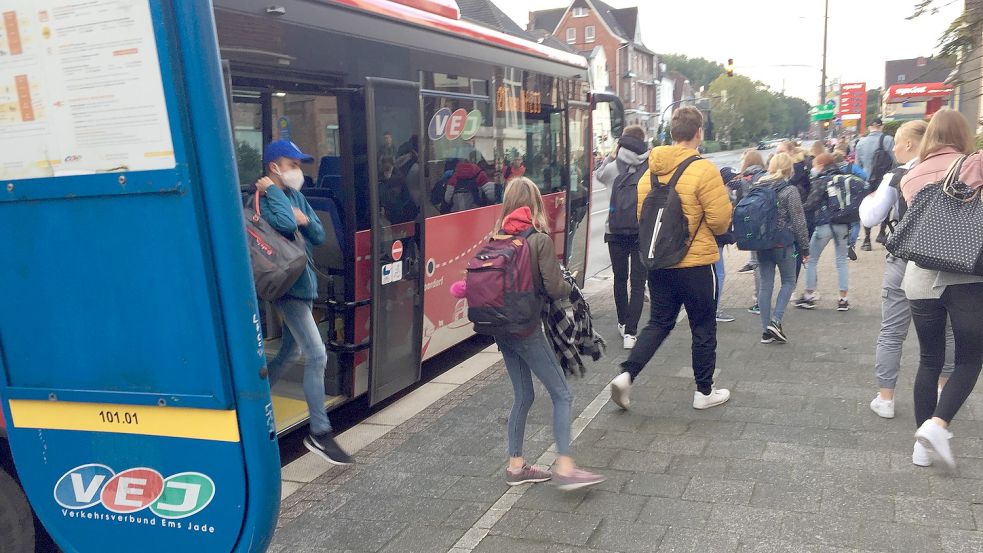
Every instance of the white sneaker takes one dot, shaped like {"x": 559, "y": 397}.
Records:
{"x": 883, "y": 407}
{"x": 621, "y": 329}
{"x": 620, "y": 388}
{"x": 715, "y": 398}
{"x": 935, "y": 439}
{"x": 920, "y": 456}
{"x": 630, "y": 341}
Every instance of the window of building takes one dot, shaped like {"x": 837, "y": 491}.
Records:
{"x": 571, "y": 36}
{"x": 902, "y": 78}
{"x": 580, "y": 12}
{"x": 589, "y": 33}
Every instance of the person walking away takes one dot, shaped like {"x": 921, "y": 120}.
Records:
{"x": 692, "y": 282}
{"x": 884, "y": 206}
{"x": 937, "y": 295}
{"x": 788, "y": 239}
{"x": 752, "y": 168}
{"x": 620, "y": 172}
{"x": 830, "y": 200}
{"x": 285, "y": 209}
{"x": 727, "y": 175}
{"x": 875, "y": 155}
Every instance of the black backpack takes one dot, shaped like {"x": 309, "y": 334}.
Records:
{"x": 623, "y": 210}
{"x": 663, "y": 227}
{"x": 437, "y": 196}
{"x": 902, "y": 204}
{"x": 881, "y": 164}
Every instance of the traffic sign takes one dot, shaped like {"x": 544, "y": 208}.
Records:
{"x": 823, "y": 112}
{"x": 397, "y": 250}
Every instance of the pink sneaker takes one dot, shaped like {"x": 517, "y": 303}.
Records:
{"x": 577, "y": 479}
{"x": 526, "y": 475}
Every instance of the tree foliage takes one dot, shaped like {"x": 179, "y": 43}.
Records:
{"x": 962, "y": 35}
{"x": 874, "y": 97}
{"x": 751, "y": 111}
{"x": 699, "y": 71}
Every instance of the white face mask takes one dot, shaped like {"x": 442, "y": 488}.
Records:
{"x": 294, "y": 178}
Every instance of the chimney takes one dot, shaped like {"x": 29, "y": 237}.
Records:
{"x": 531, "y": 26}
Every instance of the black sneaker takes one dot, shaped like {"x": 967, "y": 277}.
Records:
{"x": 806, "y": 303}
{"x": 775, "y": 329}
{"x": 767, "y": 338}
{"x": 881, "y": 238}
{"x": 866, "y": 247}
{"x": 754, "y": 309}
{"x": 746, "y": 269}
{"x": 326, "y": 446}
{"x": 843, "y": 305}
{"x": 851, "y": 253}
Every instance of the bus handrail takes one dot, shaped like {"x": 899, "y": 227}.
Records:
{"x": 334, "y": 306}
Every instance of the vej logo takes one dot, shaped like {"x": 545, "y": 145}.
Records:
{"x": 132, "y": 490}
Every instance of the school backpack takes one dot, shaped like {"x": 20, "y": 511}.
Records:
{"x": 756, "y": 220}
{"x": 663, "y": 228}
{"x": 623, "y": 207}
{"x": 881, "y": 164}
{"x": 844, "y": 194}
{"x": 501, "y": 294}
{"x": 437, "y": 195}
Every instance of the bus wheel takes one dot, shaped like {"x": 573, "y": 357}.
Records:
{"x": 16, "y": 522}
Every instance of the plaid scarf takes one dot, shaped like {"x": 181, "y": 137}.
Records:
{"x": 572, "y": 336}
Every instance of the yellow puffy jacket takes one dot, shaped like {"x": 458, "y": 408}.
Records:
{"x": 703, "y": 195}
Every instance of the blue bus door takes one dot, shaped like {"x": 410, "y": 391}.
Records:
{"x": 132, "y": 371}
{"x": 396, "y": 197}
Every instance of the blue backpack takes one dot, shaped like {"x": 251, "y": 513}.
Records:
{"x": 756, "y": 220}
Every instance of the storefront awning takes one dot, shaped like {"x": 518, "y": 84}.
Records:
{"x": 921, "y": 92}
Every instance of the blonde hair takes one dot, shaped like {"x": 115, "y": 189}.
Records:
{"x": 912, "y": 130}
{"x": 751, "y": 158}
{"x": 948, "y": 128}
{"x": 521, "y": 192}
{"x": 780, "y": 167}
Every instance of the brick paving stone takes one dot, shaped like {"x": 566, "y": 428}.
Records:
{"x": 676, "y": 512}
{"x": 687, "y": 540}
{"x": 936, "y": 512}
{"x": 714, "y": 490}
{"x": 620, "y": 535}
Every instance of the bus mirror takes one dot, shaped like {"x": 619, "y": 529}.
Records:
{"x": 616, "y": 110}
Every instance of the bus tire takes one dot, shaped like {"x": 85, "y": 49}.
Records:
{"x": 16, "y": 520}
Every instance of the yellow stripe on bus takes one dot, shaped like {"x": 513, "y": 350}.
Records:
{"x": 173, "y": 422}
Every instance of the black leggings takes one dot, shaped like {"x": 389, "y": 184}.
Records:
{"x": 626, "y": 263}
{"x": 963, "y": 305}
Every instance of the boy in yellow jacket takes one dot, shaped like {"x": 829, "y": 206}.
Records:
{"x": 693, "y": 282}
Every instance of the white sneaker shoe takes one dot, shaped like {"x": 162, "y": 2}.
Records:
{"x": 620, "y": 388}
{"x": 621, "y": 329}
{"x": 920, "y": 456}
{"x": 935, "y": 439}
{"x": 715, "y": 398}
{"x": 883, "y": 407}
{"x": 630, "y": 341}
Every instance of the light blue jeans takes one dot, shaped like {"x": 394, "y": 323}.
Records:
{"x": 523, "y": 358}
{"x": 768, "y": 260}
{"x": 840, "y": 235}
{"x": 302, "y": 338}
{"x": 721, "y": 274}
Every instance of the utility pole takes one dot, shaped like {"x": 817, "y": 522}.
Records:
{"x": 822, "y": 83}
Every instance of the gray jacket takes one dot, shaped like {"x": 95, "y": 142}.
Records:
{"x": 868, "y": 145}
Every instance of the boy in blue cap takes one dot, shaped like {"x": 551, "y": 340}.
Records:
{"x": 285, "y": 209}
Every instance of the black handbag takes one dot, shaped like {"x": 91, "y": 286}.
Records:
{"x": 277, "y": 262}
{"x": 942, "y": 229}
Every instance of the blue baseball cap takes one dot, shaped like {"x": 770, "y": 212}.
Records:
{"x": 284, "y": 148}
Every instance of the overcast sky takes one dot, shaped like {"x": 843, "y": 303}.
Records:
{"x": 765, "y": 37}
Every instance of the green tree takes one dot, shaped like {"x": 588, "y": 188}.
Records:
{"x": 873, "y": 103}
{"x": 699, "y": 71}
{"x": 963, "y": 34}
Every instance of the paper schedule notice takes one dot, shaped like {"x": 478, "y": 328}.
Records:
{"x": 80, "y": 89}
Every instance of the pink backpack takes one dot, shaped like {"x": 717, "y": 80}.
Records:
{"x": 502, "y": 298}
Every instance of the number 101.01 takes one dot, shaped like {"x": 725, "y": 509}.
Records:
{"x": 115, "y": 417}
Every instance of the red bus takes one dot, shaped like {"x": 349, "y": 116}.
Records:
{"x": 394, "y": 99}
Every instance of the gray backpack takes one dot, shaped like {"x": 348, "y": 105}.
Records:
{"x": 277, "y": 262}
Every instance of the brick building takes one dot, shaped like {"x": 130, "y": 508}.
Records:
{"x": 633, "y": 69}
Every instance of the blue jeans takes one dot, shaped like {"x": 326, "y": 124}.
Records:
{"x": 301, "y": 337}
{"x": 839, "y": 234}
{"x": 721, "y": 274}
{"x": 854, "y": 233}
{"x": 785, "y": 260}
{"x": 525, "y": 356}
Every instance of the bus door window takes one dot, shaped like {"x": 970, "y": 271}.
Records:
{"x": 577, "y": 235}
{"x": 247, "y": 126}
{"x": 460, "y": 171}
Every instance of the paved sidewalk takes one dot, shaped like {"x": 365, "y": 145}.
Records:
{"x": 795, "y": 462}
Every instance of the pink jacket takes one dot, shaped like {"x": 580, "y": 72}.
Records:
{"x": 928, "y": 170}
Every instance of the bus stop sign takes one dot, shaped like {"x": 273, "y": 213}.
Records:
{"x": 132, "y": 370}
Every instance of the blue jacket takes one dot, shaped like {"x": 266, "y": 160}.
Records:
{"x": 276, "y": 207}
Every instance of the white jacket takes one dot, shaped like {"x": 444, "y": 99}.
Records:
{"x": 883, "y": 203}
